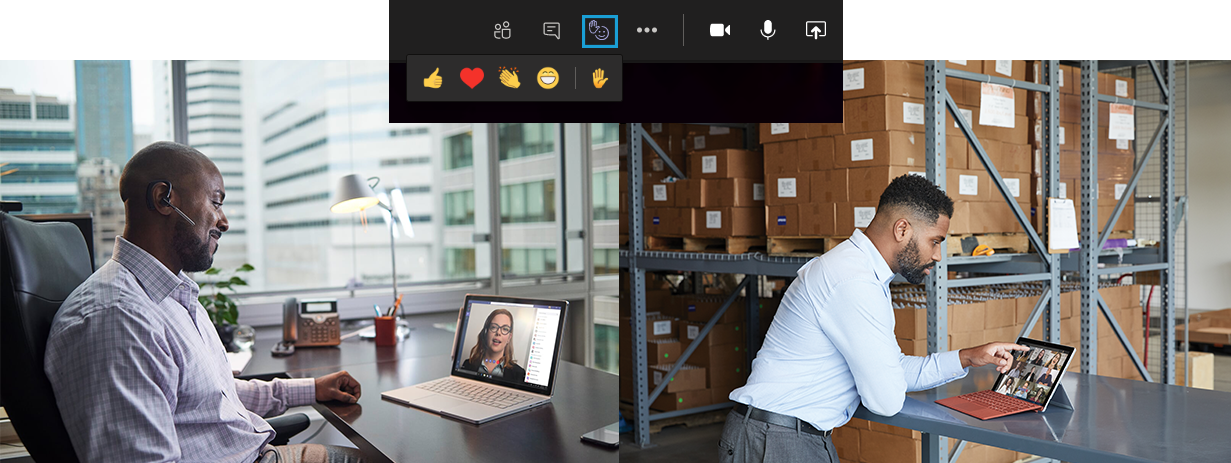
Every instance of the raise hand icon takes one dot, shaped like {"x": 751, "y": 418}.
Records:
{"x": 599, "y": 80}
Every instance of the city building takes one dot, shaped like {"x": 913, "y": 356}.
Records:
{"x": 98, "y": 180}
{"x": 38, "y": 154}
{"x": 104, "y": 110}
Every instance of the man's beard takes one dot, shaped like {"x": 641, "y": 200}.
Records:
{"x": 193, "y": 252}
{"x": 909, "y": 266}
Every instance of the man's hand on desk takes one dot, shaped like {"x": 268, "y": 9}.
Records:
{"x": 338, "y": 386}
{"x": 998, "y": 353}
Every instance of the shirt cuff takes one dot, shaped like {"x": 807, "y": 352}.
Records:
{"x": 951, "y": 364}
{"x": 301, "y": 391}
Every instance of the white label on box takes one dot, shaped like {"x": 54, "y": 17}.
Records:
{"x": 698, "y": 142}
{"x": 1122, "y": 88}
{"x": 709, "y": 164}
{"x": 1121, "y": 122}
{"x": 778, "y": 128}
{"x": 693, "y": 331}
{"x": 1061, "y": 76}
{"x": 662, "y": 327}
{"x": 996, "y": 106}
{"x": 1004, "y": 66}
{"x": 716, "y": 130}
{"x": 786, "y": 188}
{"x": 658, "y": 378}
{"x": 861, "y": 150}
{"x": 660, "y": 192}
{"x": 912, "y": 113}
{"x": 1120, "y": 187}
{"x": 1015, "y": 186}
{"x": 656, "y": 128}
{"x": 961, "y": 62}
{"x": 969, "y": 115}
{"x": 1061, "y": 135}
{"x": 1064, "y": 190}
{"x": 1121, "y": 144}
{"x": 852, "y": 79}
{"x": 657, "y": 165}
{"x": 713, "y": 219}
{"x": 864, "y": 216}
{"x": 921, "y": 174}
{"x": 968, "y": 185}
{"x": 758, "y": 192}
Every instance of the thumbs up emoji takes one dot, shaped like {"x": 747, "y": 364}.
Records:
{"x": 432, "y": 81}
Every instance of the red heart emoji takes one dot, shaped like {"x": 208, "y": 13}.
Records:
{"x": 472, "y": 77}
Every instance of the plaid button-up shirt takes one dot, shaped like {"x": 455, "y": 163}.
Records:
{"x": 139, "y": 373}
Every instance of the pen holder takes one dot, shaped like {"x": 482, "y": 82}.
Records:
{"x": 386, "y": 331}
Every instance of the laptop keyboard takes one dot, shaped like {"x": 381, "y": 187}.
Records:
{"x": 477, "y": 393}
{"x": 998, "y": 402}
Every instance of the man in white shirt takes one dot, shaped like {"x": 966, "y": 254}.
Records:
{"x": 137, "y": 368}
{"x": 831, "y": 344}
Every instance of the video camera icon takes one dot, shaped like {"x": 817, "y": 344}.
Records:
{"x": 717, "y": 29}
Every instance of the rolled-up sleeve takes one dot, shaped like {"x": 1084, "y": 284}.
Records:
{"x": 272, "y": 398}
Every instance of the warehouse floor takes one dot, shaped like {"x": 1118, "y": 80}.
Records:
{"x": 699, "y": 443}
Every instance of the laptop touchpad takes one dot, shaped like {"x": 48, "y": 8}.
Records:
{"x": 440, "y": 402}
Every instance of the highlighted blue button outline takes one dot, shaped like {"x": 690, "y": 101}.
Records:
{"x": 586, "y": 18}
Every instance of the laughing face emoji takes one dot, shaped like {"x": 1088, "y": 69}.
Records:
{"x": 548, "y": 77}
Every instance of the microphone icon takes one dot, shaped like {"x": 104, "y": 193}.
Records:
{"x": 768, "y": 29}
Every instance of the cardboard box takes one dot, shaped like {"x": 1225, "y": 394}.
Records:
{"x": 782, "y": 157}
{"x": 877, "y": 447}
{"x": 729, "y": 221}
{"x": 830, "y": 186}
{"x": 882, "y": 78}
{"x": 1112, "y": 85}
{"x": 982, "y": 217}
{"x": 911, "y": 324}
{"x": 1019, "y": 187}
{"x": 687, "y": 221}
{"x": 728, "y": 366}
{"x": 726, "y": 163}
{"x": 1000, "y": 313}
{"x": 791, "y": 188}
{"x": 782, "y": 220}
{"x": 967, "y": 185}
{"x": 702, "y": 308}
{"x": 854, "y": 214}
{"x": 660, "y": 195}
{"x": 689, "y": 378}
{"x": 732, "y": 192}
{"x": 1107, "y": 145}
{"x": 658, "y": 327}
{"x": 867, "y": 183}
{"x": 688, "y": 193}
{"x": 1070, "y": 108}
{"x": 706, "y": 137}
{"x": 879, "y": 149}
{"x": 825, "y": 129}
{"x": 965, "y": 318}
{"x": 1013, "y": 157}
{"x": 846, "y": 441}
{"x": 662, "y": 221}
{"x": 817, "y": 219}
{"x": 782, "y": 131}
{"x": 815, "y": 154}
{"x": 965, "y": 65}
{"x": 721, "y": 333}
{"x": 1008, "y": 69}
{"x": 667, "y": 402}
{"x": 916, "y": 347}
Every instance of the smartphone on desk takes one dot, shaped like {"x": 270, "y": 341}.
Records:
{"x": 606, "y": 436}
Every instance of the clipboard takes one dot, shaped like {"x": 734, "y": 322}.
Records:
{"x": 1061, "y": 225}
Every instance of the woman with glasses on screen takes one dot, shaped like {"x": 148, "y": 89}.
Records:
{"x": 493, "y": 355}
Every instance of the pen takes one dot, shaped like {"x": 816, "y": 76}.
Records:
{"x": 397, "y": 303}
{"x": 377, "y": 309}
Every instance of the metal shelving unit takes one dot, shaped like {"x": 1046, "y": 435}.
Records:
{"x": 1039, "y": 265}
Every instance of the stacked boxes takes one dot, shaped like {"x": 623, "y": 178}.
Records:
{"x": 848, "y": 165}
{"x": 1115, "y": 157}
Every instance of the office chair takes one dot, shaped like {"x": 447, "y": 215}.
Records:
{"x": 40, "y": 264}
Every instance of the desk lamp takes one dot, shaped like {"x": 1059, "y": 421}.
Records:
{"x": 354, "y": 195}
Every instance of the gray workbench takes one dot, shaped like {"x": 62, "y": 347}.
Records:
{"x": 1112, "y": 420}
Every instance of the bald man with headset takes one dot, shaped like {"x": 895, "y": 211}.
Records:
{"x": 138, "y": 370}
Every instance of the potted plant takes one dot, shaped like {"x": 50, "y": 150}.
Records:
{"x": 222, "y": 309}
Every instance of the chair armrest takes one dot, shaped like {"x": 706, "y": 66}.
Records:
{"x": 286, "y": 426}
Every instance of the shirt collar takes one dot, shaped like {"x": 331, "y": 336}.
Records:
{"x": 879, "y": 267}
{"x": 154, "y": 277}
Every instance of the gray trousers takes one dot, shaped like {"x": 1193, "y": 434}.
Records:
{"x": 750, "y": 441}
{"x": 310, "y": 453}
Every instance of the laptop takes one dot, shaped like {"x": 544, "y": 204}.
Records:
{"x": 505, "y": 355}
{"x": 1029, "y": 385}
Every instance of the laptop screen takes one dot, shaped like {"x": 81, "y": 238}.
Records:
{"x": 509, "y": 341}
{"x": 1035, "y": 372}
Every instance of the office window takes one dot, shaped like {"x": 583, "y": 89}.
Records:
{"x": 606, "y": 195}
{"x": 52, "y": 111}
{"x": 604, "y": 133}
{"x": 606, "y": 261}
{"x": 528, "y": 202}
{"x": 14, "y": 110}
{"x": 521, "y": 140}
{"x": 458, "y": 151}
{"x": 607, "y": 348}
{"x": 459, "y": 208}
{"x": 535, "y": 261}
{"x": 459, "y": 263}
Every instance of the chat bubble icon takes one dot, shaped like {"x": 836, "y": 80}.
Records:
{"x": 552, "y": 29}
